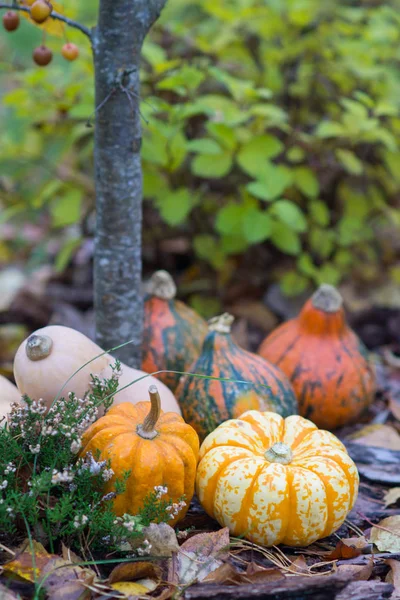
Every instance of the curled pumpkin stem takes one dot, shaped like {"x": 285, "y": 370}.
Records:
{"x": 221, "y": 324}
{"x": 327, "y": 298}
{"x": 161, "y": 285}
{"x": 147, "y": 429}
{"x": 38, "y": 347}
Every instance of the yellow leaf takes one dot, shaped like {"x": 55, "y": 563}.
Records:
{"x": 382, "y": 436}
{"x": 386, "y": 535}
{"x": 26, "y": 566}
{"x": 50, "y": 26}
{"x": 130, "y": 588}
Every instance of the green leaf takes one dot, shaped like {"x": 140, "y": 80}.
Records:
{"x": 65, "y": 253}
{"x": 327, "y": 129}
{"x": 185, "y": 78}
{"x": 321, "y": 241}
{"x": 175, "y": 206}
{"x": 306, "y": 181}
{"x": 225, "y": 135}
{"x": 319, "y": 212}
{"x": 254, "y": 154}
{"x": 257, "y": 226}
{"x": 210, "y": 166}
{"x": 272, "y": 183}
{"x": 328, "y": 273}
{"x": 204, "y": 146}
{"x": 293, "y": 284}
{"x": 207, "y": 248}
{"x": 225, "y": 110}
{"x": 289, "y": 213}
{"x": 285, "y": 239}
{"x": 305, "y": 265}
{"x": 350, "y": 161}
{"x": 229, "y": 219}
{"x": 295, "y": 154}
{"x": 66, "y": 210}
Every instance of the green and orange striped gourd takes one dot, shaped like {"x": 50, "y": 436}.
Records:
{"x": 246, "y": 382}
{"x": 325, "y": 361}
{"x": 173, "y": 333}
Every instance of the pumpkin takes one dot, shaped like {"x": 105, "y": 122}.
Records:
{"x": 254, "y": 383}
{"x": 159, "y": 449}
{"x": 325, "y": 361}
{"x": 275, "y": 480}
{"x": 173, "y": 333}
{"x": 49, "y": 357}
{"x": 8, "y": 394}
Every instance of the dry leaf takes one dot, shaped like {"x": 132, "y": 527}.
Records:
{"x": 131, "y": 588}
{"x": 357, "y": 572}
{"x": 386, "y": 535}
{"x": 226, "y": 574}
{"x": 199, "y": 556}
{"x": 23, "y": 566}
{"x": 256, "y": 574}
{"x": 300, "y": 565}
{"x": 382, "y": 436}
{"x": 162, "y": 538}
{"x": 348, "y": 548}
{"x": 393, "y": 577}
{"x": 69, "y": 555}
{"x": 394, "y": 407}
{"x": 392, "y": 496}
{"x": 134, "y": 571}
{"x": 63, "y": 581}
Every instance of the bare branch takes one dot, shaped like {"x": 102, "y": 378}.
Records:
{"x": 54, "y": 15}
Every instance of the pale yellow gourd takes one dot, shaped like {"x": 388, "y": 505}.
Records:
{"x": 8, "y": 394}
{"x": 50, "y": 356}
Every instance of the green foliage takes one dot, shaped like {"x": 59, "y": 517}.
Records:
{"x": 265, "y": 122}
{"x": 46, "y": 490}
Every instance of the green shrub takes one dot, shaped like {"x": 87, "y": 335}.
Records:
{"x": 267, "y": 122}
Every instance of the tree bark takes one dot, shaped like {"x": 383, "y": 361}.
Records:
{"x": 117, "y": 42}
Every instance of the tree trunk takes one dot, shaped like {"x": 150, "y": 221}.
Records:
{"x": 117, "y": 43}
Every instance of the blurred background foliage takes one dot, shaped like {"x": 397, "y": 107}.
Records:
{"x": 270, "y": 144}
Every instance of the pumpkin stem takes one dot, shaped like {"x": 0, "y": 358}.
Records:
{"x": 327, "y": 298}
{"x": 161, "y": 285}
{"x": 146, "y": 430}
{"x": 279, "y": 453}
{"x": 221, "y": 324}
{"x": 38, "y": 346}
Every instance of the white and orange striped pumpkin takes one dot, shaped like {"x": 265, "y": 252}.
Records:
{"x": 275, "y": 480}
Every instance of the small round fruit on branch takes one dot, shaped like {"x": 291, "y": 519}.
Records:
{"x": 42, "y": 56}
{"x": 70, "y": 51}
{"x": 41, "y": 10}
{"x": 11, "y": 20}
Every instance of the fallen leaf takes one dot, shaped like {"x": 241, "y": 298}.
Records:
{"x": 257, "y": 574}
{"x": 347, "y": 548}
{"x": 130, "y": 588}
{"x": 134, "y": 571}
{"x": 392, "y": 496}
{"x": 199, "y": 556}
{"x": 162, "y": 538}
{"x": 69, "y": 555}
{"x": 24, "y": 566}
{"x": 64, "y": 581}
{"x": 393, "y": 577}
{"x": 300, "y": 565}
{"x": 357, "y": 572}
{"x": 226, "y": 574}
{"x": 394, "y": 407}
{"x": 382, "y": 436}
{"x": 386, "y": 535}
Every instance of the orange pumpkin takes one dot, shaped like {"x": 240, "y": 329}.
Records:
{"x": 159, "y": 449}
{"x": 173, "y": 333}
{"x": 325, "y": 361}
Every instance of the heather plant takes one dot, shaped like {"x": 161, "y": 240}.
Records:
{"x": 51, "y": 494}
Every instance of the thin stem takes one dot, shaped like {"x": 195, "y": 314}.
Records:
{"x": 147, "y": 429}
{"x": 54, "y": 15}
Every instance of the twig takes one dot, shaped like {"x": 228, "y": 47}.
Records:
{"x": 365, "y": 518}
{"x": 54, "y": 15}
{"x": 7, "y": 550}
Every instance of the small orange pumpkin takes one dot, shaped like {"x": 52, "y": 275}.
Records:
{"x": 173, "y": 333}
{"x": 159, "y": 449}
{"x": 325, "y": 361}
